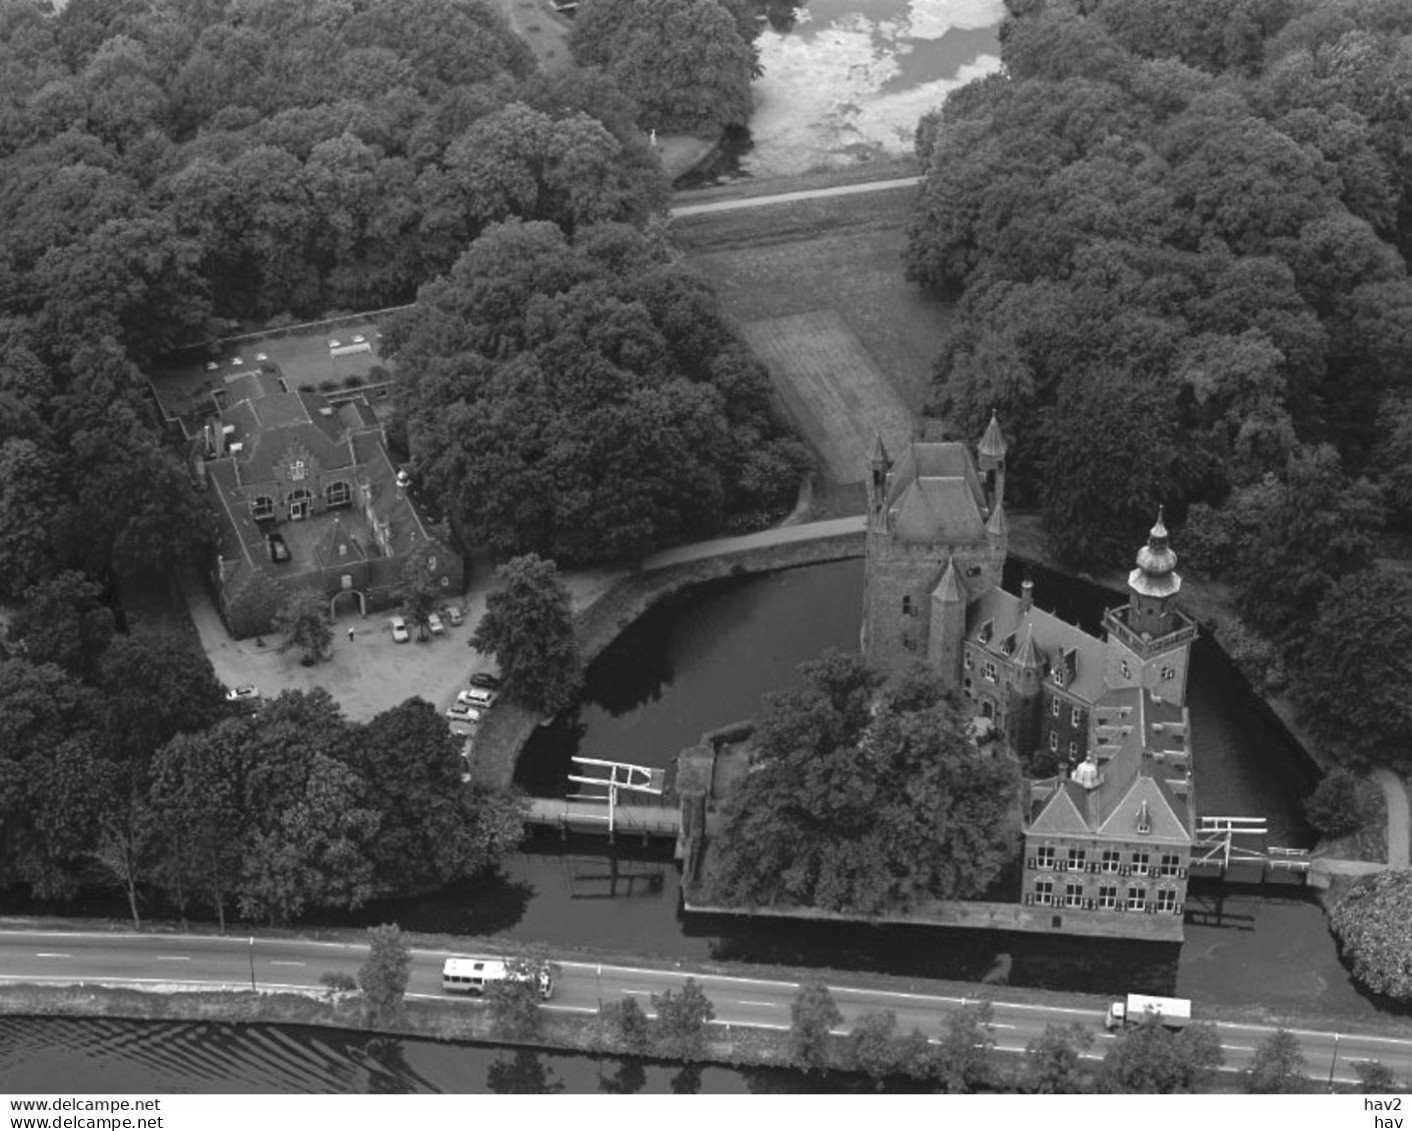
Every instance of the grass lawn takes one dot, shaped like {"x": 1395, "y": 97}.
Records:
{"x": 841, "y": 254}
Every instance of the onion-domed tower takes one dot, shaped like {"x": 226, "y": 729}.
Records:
{"x": 1149, "y": 638}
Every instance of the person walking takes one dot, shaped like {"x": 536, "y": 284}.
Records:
{"x": 350, "y": 636}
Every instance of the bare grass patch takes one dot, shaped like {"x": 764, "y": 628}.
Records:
{"x": 842, "y": 254}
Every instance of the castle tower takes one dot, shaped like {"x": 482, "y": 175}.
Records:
{"x": 1023, "y": 706}
{"x": 946, "y": 642}
{"x": 928, "y": 515}
{"x": 1150, "y": 638}
{"x": 991, "y": 461}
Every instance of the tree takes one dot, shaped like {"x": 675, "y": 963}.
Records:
{"x": 862, "y": 806}
{"x": 1374, "y": 1077}
{"x": 433, "y": 830}
{"x": 626, "y": 1023}
{"x": 303, "y": 622}
{"x": 874, "y": 1048}
{"x": 1151, "y": 1059}
{"x": 418, "y": 594}
{"x": 529, "y": 627}
{"x": 813, "y": 1015}
{"x": 1054, "y": 1059}
{"x": 514, "y": 1006}
{"x": 1339, "y": 804}
{"x": 1277, "y": 1066}
{"x": 1358, "y": 702}
{"x": 681, "y": 1020}
{"x": 1298, "y": 536}
{"x": 1373, "y": 922}
{"x": 384, "y": 976}
{"x": 684, "y": 62}
{"x": 63, "y": 622}
{"x": 965, "y": 1059}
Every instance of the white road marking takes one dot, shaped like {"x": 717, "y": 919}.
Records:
{"x": 53, "y": 956}
{"x": 639, "y": 993}
{"x": 767, "y": 1004}
{"x": 280, "y": 962}
{"x": 172, "y": 958}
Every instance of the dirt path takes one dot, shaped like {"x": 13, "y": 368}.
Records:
{"x": 788, "y": 197}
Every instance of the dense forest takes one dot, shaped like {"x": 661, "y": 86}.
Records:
{"x": 1177, "y": 235}
{"x": 172, "y": 171}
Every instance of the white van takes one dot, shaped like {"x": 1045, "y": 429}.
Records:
{"x": 476, "y": 975}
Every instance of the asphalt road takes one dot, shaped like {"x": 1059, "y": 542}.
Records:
{"x": 215, "y": 961}
{"x": 737, "y": 203}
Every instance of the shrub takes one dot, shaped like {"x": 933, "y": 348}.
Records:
{"x": 338, "y": 982}
{"x": 1373, "y": 923}
{"x": 1339, "y": 805}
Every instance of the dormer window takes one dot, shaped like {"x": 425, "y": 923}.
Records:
{"x": 262, "y": 507}
{"x": 296, "y": 469}
{"x": 1007, "y": 646}
{"x": 986, "y": 632}
{"x": 338, "y": 494}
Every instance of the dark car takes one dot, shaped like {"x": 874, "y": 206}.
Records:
{"x": 485, "y": 680}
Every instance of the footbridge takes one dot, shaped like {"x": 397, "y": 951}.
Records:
{"x": 1217, "y": 850}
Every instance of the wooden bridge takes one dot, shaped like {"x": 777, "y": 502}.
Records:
{"x": 569, "y": 815}
{"x": 1215, "y": 849}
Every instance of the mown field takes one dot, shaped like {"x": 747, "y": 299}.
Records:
{"x": 829, "y": 254}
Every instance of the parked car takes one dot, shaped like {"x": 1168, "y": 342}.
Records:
{"x": 434, "y": 623}
{"x": 479, "y": 697}
{"x": 487, "y": 680}
{"x": 463, "y": 713}
{"x": 244, "y": 693}
{"x": 454, "y": 614}
{"x": 399, "y": 629}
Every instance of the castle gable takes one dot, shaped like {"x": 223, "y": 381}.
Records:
{"x": 1063, "y": 813}
{"x": 1072, "y": 658}
{"x": 937, "y": 510}
{"x": 1136, "y": 798}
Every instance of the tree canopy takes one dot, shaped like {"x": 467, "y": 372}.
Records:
{"x": 1373, "y": 922}
{"x": 1177, "y": 233}
{"x": 529, "y": 627}
{"x": 865, "y": 798}
{"x": 584, "y": 399}
{"x": 1150, "y": 1059}
{"x": 687, "y": 63}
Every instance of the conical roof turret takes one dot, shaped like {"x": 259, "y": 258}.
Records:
{"x": 877, "y": 454}
{"x": 992, "y": 445}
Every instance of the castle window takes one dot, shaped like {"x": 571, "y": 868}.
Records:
{"x": 1110, "y": 859}
{"x": 1170, "y": 864}
{"x": 1108, "y": 897}
{"x": 1075, "y": 717}
{"x": 431, "y": 563}
{"x": 1123, "y": 667}
{"x": 296, "y": 469}
{"x": 1167, "y": 900}
{"x": 1137, "y": 899}
{"x": 338, "y": 494}
{"x": 262, "y": 507}
{"x": 1073, "y": 750}
{"x": 1073, "y": 895}
{"x": 1053, "y": 740}
{"x": 988, "y": 670}
{"x": 906, "y": 606}
{"x": 1044, "y": 856}
{"x": 1054, "y": 707}
{"x": 1078, "y": 859}
{"x": 1140, "y": 863}
{"x": 908, "y": 642}
{"x": 968, "y": 661}
{"x": 973, "y": 571}
{"x": 1044, "y": 892}
{"x": 1168, "y": 672}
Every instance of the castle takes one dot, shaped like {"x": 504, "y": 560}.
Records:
{"x": 1120, "y": 825}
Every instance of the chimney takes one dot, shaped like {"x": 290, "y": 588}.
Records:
{"x": 1026, "y": 595}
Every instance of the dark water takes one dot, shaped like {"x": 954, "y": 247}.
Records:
{"x": 62, "y": 1055}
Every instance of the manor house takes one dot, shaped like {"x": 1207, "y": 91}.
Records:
{"x": 1120, "y": 823}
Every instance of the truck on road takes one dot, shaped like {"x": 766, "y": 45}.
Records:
{"x": 1135, "y": 1009}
